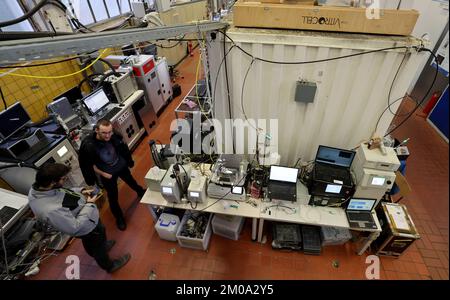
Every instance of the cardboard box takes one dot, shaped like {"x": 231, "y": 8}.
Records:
{"x": 340, "y": 19}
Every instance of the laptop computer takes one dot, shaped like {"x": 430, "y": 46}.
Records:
{"x": 99, "y": 107}
{"x": 359, "y": 213}
{"x": 333, "y": 164}
{"x": 12, "y": 207}
{"x": 283, "y": 183}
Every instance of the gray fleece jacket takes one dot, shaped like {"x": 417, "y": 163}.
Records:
{"x": 65, "y": 210}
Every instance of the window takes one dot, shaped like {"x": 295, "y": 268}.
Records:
{"x": 12, "y": 10}
{"x": 83, "y": 11}
{"x": 87, "y": 11}
{"x": 124, "y": 6}
{"x": 93, "y": 11}
{"x": 113, "y": 9}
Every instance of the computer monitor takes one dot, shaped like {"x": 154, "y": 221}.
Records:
{"x": 335, "y": 156}
{"x": 95, "y": 101}
{"x": 361, "y": 204}
{"x": 73, "y": 95}
{"x": 12, "y": 120}
{"x": 284, "y": 174}
{"x": 333, "y": 188}
{"x": 62, "y": 108}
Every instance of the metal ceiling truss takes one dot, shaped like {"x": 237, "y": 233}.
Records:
{"x": 52, "y": 47}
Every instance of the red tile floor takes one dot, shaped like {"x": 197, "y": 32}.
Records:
{"x": 427, "y": 258}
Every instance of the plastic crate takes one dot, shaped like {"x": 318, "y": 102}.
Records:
{"x": 334, "y": 236}
{"x": 194, "y": 243}
{"x": 287, "y": 236}
{"x": 227, "y": 226}
{"x": 167, "y": 227}
{"x": 311, "y": 240}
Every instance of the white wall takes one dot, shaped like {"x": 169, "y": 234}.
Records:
{"x": 351, "y": 93}
{"x": 432, "y": 20}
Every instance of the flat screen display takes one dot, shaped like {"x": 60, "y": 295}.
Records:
{"x": 12, "y": 120}
{"x": 61, "y": 152}
{"x": 95, "y": 101}
{"x": 283, "y": 174}
{"x": 333, "y": 188}
{"x": 237, "y": 190}
{"x": 378, "y": 181}
{"x": 167, "y": 190}
{"x": 361, "y": 204}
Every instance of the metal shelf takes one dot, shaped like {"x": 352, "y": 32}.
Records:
{"x": 45, "y": 48}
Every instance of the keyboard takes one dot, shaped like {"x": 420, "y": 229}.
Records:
{"x": 6, "y": 214}
{"x": 36, "y": 148}
{"x": 359, "y": 217}
{"x": 109, "y": 115}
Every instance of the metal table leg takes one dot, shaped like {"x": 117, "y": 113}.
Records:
{"x": 372, "y": 237}
{"x": 254, "y": 228}
{"x": 260, "y": 229}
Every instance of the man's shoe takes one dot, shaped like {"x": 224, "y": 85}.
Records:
{"x": 110, "y": 244}
{"x": 119, "y": 263}
{"x": 121, "y": 225}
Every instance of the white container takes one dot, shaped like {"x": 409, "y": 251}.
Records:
{"x": 334, "y": 236}
{"x": 227, "y": 226}
{"x": 153, "y": 178}
{"x": 351, "y": 93}
{"x": 167, "y": 227}
{"x": 194, "y": 243}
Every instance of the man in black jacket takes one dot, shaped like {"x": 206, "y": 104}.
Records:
{"x": 105, "y": 153}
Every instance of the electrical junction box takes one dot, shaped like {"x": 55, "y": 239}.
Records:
{"x": 305, "y": 92}
{"x": 197, "y": 189}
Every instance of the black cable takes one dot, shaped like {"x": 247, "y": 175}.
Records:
{"x": 242, "y": 99}
{"x": 379, "y": 118}
{"x": 228, "y": 92}
{"x": 42, "y": 64}
{"x": 426, "y": 94}
{"x": 392, "y": 85}
{"x": 312, "y": 61}
{"x": 173, "y": 46}
{"x": 105, "y": 62}
{"x": 88, "y": 79}
{"x": 168, "y": 47}
{"x": 343, "y": 57}
{"x": 3, "y": 98}
{"x": 192, "y": 206}
{"x": 24, "y": 17}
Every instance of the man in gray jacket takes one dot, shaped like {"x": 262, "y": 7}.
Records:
{"x": 72, "y": 212}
